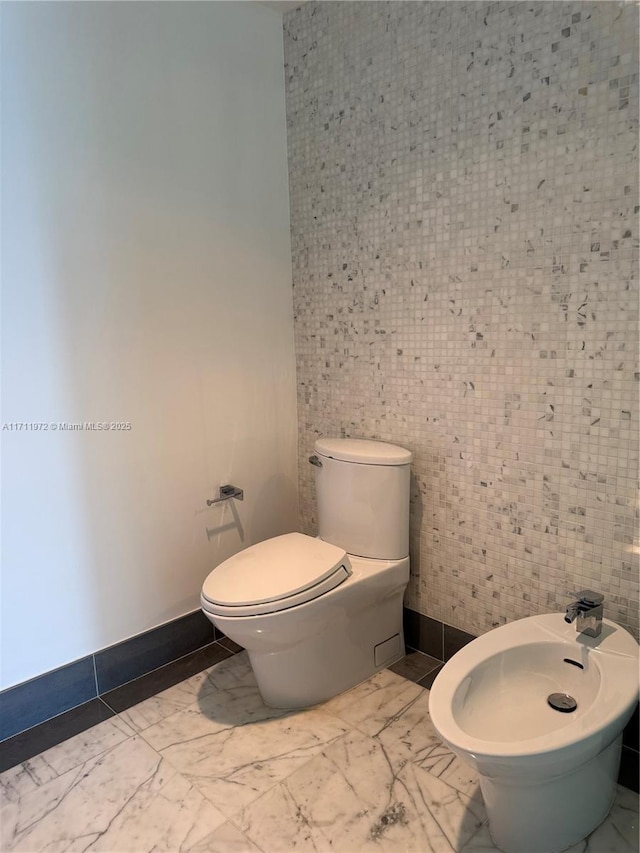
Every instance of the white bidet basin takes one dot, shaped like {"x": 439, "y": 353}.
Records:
{"x": 539, "y": 711}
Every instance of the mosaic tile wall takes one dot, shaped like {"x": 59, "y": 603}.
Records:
{"x": 463, "y": 183}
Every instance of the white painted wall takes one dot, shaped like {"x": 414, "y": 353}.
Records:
{"x": 145, "y": 278}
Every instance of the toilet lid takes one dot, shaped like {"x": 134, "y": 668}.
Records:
{"x": 275, "y": 574}
{"x": 364, "y": 451}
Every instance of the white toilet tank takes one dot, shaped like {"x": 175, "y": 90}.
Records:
{"x": 363, "y": 496}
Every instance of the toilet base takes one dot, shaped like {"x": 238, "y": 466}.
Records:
{"x": 307, "y": 654}
{"x": 334, "y": 662}
{"x": 554, "y": 814}
{"x": 335, "y": 670}
{"x": 337, "y": 658}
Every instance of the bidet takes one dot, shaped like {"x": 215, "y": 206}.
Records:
{"x": 539, "y": 710}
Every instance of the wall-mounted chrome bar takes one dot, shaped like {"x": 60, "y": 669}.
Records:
{"x": 227, "y": 492}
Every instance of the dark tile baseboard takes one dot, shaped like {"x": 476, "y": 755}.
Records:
{"x": 629, "y": 775}
{"x": 433, "y": 637}
{"x": 145, "y": 652}
{"x": 22, "y": 747}
{"x": 25, "y": 745}
{"x": 47, "y": 696}
{"x": 129, "y": 694}
{"x": 442, "y": 641}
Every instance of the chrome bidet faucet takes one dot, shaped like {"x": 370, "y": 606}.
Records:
{"x": 587, "y": 610}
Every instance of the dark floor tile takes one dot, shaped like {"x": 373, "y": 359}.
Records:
{"x": 21, "y": 747}
{"x": 127, "y": 695}
{"x": 31, "y": 703}
{"x": 141, "y": 654}
{"x": 629, "y": 773}
{"x": 428, "y": 680}
{"x": 423, "y": 633}
{"x": 414, "y": 665}
{"x": 230, "y": 644}
{"x": 454, "y": 640}
{"x": 630, "y": 734}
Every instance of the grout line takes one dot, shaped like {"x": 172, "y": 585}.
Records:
{"x": 95, "y": 674}
{"x": 107, "y": 705}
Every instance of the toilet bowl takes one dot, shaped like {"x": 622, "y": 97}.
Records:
{"x": 316, "y": 642}
{"x": 319, "y": 615}
{"x": 538, "y": 711}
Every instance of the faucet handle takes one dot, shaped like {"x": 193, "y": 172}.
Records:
{"x": 589, "y": 597}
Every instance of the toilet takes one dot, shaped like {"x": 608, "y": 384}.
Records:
{"x": 319, "y": 615}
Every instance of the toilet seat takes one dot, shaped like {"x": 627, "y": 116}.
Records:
{"x": 274, "y": 575}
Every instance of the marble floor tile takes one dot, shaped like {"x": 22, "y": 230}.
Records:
{"x": 164, "y": 704}
{"x": 37, "y": 771}
{"x": 127, "y": 799}
{"x": 230, "y": 685}
{"x": 458, "y": 815}
{"x": 349, "y": 798}
{"x": 206, "y": 767}
{"x": 233, "y": 758}
{"x": 230, "y": 694}
{"x": 408, "y": 735}
{"x": 371, "y": 705}
{"x": 226, "y": 839}
{"x": 179, "y": 672}
{"x": 396, "y": 712}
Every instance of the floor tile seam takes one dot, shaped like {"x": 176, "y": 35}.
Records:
{"x": 108, "y": 707}
{"x": 400, "y": 687}
{"x": 410, "y": 763}
{"x": 175, "y": 711}
{"x": 194, "y": 706}
{"x": 416, "y": 763}
{"x": 191, "y": 705}
{"x": 141, "y": 734}
{"x": 163, "y": 759}
{"x": 233, "y": 821}
{"x": 396, "y": 715}
{"x": 467, "y": 846}
{"x": 73, "y": 768}
{"x": 113, "y": 710}
{"x": 282, "y": 782}
{"x": 195, "y": 780}
{"x": 336, "y": 716}
{"x": 94, "y": 761}
{"x": 198, "y": 695}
